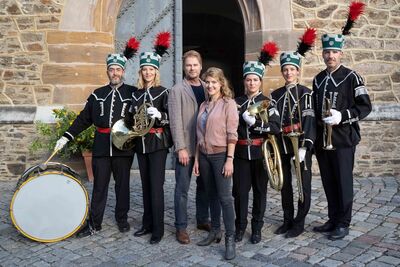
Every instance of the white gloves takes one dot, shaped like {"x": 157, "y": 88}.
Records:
{"x": 61, "y": 143}
{"x": 302, "y": 154}
{"x": 153, "y": 113}
{"x": 250, "y": 120}
{"x": 334, "y": 119}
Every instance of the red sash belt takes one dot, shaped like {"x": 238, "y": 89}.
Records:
{"x": 156, "y": 130}
{"x": 103, "y": 130}
{"x": 291, "y": 128}
{"x": 250, "y": 142}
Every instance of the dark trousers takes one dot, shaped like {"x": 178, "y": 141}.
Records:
{"x": 287, "y": 191}
{"x": 249, "y": 174}
{"x": 336, "y": 167}
{"x": 219, "y": 191}
{"x": 183, "y": 175}
{"x": 102, "y": 168}
{"x": 152, "y": 174}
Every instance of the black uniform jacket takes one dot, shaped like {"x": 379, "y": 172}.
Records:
{"x": 287, "y": 101}
{"x": 103, "y": 108}
{"x": 158, "y": 98}
{"x": 348, "y": 94}
{"x": 258, "y": 130}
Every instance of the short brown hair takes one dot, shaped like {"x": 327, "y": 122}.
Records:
{"x": 192, "y": 53}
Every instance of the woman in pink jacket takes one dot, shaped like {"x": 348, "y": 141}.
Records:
{"x": 217, "y": 124}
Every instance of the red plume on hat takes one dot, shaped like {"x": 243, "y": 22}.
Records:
{"x": 131, "y": 47}
{"x": 307, "y": 41}
{"x": 355, "y": 10}
{"x": 268, "y": 52}
{"x": 162, "y": 43}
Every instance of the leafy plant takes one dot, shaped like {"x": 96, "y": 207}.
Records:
{"x": 48, "y": 134}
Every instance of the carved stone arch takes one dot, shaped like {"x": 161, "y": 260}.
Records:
{"x": 251, "y": 15}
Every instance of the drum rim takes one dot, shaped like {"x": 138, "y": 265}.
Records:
{"x": 56, "y": 239}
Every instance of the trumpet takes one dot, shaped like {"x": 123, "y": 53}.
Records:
{"x": 272, "y": 157}
{"x": 293, "y": 132}
{"x": 122, "y": 137}
{"x": 294, "y": 139}
{"x": 328, "y": 128}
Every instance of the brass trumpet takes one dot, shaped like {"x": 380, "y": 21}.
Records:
{"x": 272, "y": 157}
{"x": 122, "y": 137}
{"x": 294, "y": 133}
{"x": 294, "y": 139}
{"x": 328, "y": 128}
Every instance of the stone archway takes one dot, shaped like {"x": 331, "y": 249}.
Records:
{"x": 93, "y": 35}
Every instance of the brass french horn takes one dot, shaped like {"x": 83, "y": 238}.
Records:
{"x": 272, "y": 157}
{"x": 122, "y": 137}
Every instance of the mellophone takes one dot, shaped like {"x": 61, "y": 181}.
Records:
{"x": 49, "y": 204}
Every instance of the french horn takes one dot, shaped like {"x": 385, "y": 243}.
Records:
{"x": 270, "y": 149}
{"x": 122, "y": 137}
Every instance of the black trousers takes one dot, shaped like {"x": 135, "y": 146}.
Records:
{"x": 102, "y": 168}
{"x": 287, "y": 191}
{"x": 249, "y": 174}
{"x": 336, "y": 167}
{"x": 152, "y": 174}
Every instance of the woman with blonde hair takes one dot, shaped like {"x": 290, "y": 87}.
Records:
{"x": 217, "y": 124}
{"x": 152, "y": 148}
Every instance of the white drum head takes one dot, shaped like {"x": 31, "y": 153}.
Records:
{"x": 49, "y": 207}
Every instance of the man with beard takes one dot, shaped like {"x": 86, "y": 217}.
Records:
{"x": 341, "y": 100}
{"x": 104, "y": 107}
{"x": 183, "y": 103}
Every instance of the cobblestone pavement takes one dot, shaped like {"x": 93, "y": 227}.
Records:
{"x": 373, "y": 239}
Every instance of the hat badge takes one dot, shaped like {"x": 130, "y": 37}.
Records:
{"x": 252, "y": 69}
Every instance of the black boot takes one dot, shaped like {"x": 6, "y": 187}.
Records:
{"x": 239, "y": 235}
{"x": 230, "y": 251}
{"x": 283, "y": 228}
{"x": 213, "y": 235}
{"x": 87, "y": 230}
{"x": 255, "y": 236}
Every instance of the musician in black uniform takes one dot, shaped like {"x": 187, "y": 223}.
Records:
{"x": 248, "y": 164}
{"x": 294, "y": 104}
{"x": 350, "y": 103}
{"x": 104, "y": 107}
{"x": 152, "y": 148}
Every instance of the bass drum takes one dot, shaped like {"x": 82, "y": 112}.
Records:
{"x": 49, "y": 205}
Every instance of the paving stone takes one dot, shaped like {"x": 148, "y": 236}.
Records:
{"x": 389, "y": 260}
{"x": 372, "y": 240}
{"x": 314, "y": 259}
{"x": 378, "y": 264}
{"x": 367, "y": 257}
{"x": 330, "y": 263}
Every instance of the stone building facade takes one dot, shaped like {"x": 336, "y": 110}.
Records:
{"x": 52, "y": 54}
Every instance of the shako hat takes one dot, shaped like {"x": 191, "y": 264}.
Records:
{"x": 161, "y": 44}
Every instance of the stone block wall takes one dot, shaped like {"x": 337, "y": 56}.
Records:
{"x": 45, "y": 63}
{"x": 52, "y": 55}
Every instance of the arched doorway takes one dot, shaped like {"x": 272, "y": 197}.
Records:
{"x": 216, "y": 30}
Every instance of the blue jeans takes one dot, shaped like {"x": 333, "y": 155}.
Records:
{"x": 183, "y": 175}
{"x": 219, "y": 191}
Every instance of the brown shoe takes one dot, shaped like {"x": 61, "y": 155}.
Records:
{"x": 182, "y": 236}
{"x": 204, "y": 226}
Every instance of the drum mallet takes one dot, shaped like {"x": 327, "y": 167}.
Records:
{"x": 43, "y": 166}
